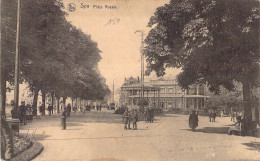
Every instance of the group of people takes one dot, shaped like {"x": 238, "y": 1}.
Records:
{"x": 130, "y": 116}
{"x": 23, "y": 113}
{"x": 98, "y": 107}
{"x": 50, "y": 109}
{"x": 212, "y": 116}
{"x": 149, "y": 115}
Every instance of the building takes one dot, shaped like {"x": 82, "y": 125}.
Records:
{"x": 164, "y": 93}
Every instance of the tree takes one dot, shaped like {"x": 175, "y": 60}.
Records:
{"x": 142, "y": 103}
{"x": 213, "y": 42}
{"x": 226, "y": 100}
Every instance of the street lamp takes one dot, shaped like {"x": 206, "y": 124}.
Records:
{"x": 142, "y": 61}
{"x": 17, "y": 52}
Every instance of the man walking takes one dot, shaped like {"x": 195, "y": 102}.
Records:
{"x": 63, "y": 119}
{"x": 49, "y": 109}
{"x": 126, "y": 119}
{"x": 193, "y": 120}
{"x": 68, "y": 110}
{"x": 22, "y": 113}
{"x": 41, "y": 109}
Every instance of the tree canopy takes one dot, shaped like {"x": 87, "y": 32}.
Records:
{"x": 211, "y": 41}
{"x": 55, "y": 56}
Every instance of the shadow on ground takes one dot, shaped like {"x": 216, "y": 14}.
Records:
{"x": 96, "y": 117}
{"x": 253, "y": 146}
{"x": 167, "y": 115}
{"x": 35, "y": 137}
{"x": 214, "y": 130}
{"x": 73, "y": 124}
{"x": 107, "y": 137}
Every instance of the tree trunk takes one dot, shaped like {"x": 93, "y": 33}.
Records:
{"x": 43, "y": 101}
{"x": 247, "y": 127}
{"x": 35, "y": 100}
{"x": 2, "y": 86}
{"x": 80, "y": 105}
{"x": 64, "y": 101}
{"x": 3, "y": 96}
{"x": 58, "y": 105}
{"x": 52, "y": 98}
{"x": 6, "y": 132}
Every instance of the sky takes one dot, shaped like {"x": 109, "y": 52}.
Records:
{"x": 112, "y": 24}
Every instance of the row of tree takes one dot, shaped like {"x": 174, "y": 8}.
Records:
{"x": 55, "y": 57}
{"x": 214, "y": 42}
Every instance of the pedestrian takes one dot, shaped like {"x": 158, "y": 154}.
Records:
{"x": 210, "y": 115}
{"x": 54, "y": 109}
{"x": 41, "y": 109}
{"x": 126, "y": 119}
{"x": 22, "y": 113}
{"x": 35, "y": 111}
{"x": 14, "y": 111}
{"x": 233, "y": 115}
{"x": 255, "y": 114}
{"x": 146, "y": 114}
{"x": 193, "y": 120}
{"x": 214, "y": 115}
{"x": 63, "y": 120}
{"x": 68, "y": 110}
{"x": 221, "y": 113}
{"x": 135, "y": 119}
{"x": 151, "y": 115}
{"x": 49, "y": 109}
{"x": 75, "y": 109}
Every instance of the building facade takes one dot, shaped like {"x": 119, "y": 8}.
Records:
{"x": 163, "y": 93}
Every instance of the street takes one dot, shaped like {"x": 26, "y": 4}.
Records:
{"x": 100, "y": 136}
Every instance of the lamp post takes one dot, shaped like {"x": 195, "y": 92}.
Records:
{"x": 17, "y": 53}
{"x": 142, "y": 62}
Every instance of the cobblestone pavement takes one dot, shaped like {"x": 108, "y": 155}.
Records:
{"x": 100, "y": 136}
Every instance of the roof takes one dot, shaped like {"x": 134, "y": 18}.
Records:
{"x": 138, "y": 86}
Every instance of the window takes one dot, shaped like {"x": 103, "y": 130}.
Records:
{"x": 162, "y": 90}
{"x": 179, "y": 91}
{"x": 170, "y": 90}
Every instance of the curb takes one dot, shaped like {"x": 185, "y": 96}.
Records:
{"x": 30, "y": 153}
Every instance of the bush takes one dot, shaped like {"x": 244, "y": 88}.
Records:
{"x": 20, "y": 144}
{"x": 120, "y": 111}
{"x": 142, "y": 103}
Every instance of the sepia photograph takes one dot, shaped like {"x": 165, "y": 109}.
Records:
{"x": 130, "y": 80}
